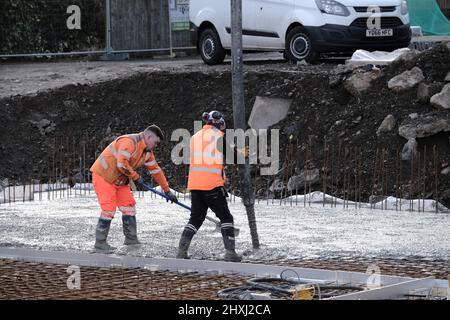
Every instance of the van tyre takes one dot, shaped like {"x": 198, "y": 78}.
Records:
{"x": 210, "y": 48}
{"x": 299, "y": 46}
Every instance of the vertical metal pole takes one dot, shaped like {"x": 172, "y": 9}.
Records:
{"x": 239, "y": 113}
{"x": 385, "y": 177}
{"x": 345, "y": 176}
{"x": 61, "y": 153}
{"x": 49, "y": 172}
{"x": 382, "y": 177}
{"x": 53, "y": 168}
{"x": 309, "y": 178}
{"x": 359, "y": 177}
{"x": 424, "y": 173}
{"x": 88, "y": 171}
{"x": 397, "y": 182}
{"x": 84, "y": 164}
{"x": 285, "y": 175}
{"x": 109, "y": 48}
{"x": 400, "y": 181}
{"x": 291, "y": 171}
{"x": 296, "y": 186}
{"x": 374, "y": 177}
{"x": 411, "y": 185}
{"x": 170, "y": 32}
{"x": 338, "y": 170}
{"x": 72, "y": 164}
{"x": 332, "y": 175}
{"x": 256, "y": 182}
{"x": 435, "y": 158}
{"x": 63, "y": 164}
{"x": 324, "y": 188}
{"x": 418, "y": 182}
{"x": 305, "y": 175}
{"x": 356, "y": 177}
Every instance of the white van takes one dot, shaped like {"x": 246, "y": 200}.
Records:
{"x": 302, "y": 29}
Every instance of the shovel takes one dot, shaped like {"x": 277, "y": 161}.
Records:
{"x": 217, "y": 222}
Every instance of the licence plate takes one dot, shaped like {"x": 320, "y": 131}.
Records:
{"x": 379, "y": 33}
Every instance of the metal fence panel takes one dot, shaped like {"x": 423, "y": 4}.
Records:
{"x": 67, "y": 27}
{"x": 140, "y": 25}
{"x": 179, "y": 24}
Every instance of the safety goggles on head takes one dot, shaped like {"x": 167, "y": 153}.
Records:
{"x": 216, "y": 115}
{"x": 214, "y": 118}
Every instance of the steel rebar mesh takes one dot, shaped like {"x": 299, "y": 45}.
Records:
{"x": 26, "y": 280}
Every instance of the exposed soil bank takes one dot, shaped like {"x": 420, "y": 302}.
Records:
{"x": 322, "y": 109}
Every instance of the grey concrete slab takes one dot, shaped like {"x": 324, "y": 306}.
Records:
{"x": 268, "y": 111}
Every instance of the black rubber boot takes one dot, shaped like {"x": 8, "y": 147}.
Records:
{"x": 101, "y": 233}
{"x": 130, "y": 230}
{"x": 229, "y": 244}
{"x": 185, "y": 242}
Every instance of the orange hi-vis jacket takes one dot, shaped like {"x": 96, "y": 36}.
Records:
{"x": 206, "y": 161}
{"x": 118, "y": 162}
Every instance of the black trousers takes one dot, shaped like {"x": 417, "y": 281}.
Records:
{"x": 215, "y": 199}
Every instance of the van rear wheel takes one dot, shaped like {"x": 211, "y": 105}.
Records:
{"x": 210, "y": 48}
{"x": 299, "y": 46}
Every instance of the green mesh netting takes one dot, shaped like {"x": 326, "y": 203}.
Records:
{"x": 428, "y": 15}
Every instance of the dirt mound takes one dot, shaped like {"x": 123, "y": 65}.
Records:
{"x": 322, "y": 110}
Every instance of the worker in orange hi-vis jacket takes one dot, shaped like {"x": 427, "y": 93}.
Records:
{"x": 111, "y": 175}
{"x": 206, "y": 182}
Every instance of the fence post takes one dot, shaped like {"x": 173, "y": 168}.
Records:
{"x": 108, "y": 27}
{"x": 170, "y": 33}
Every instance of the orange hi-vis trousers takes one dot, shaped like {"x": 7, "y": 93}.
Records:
{"x": 110, "y": 197}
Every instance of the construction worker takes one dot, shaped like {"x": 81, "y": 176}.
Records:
{"x": 206, "y": 184}
{"x": 111, "y": 175}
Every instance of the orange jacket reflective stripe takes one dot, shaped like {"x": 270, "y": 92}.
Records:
{"x": 120, "y": 159}
{"x": 206, "y": 161}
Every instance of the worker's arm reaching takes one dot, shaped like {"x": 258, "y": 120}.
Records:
{"x": 157, "y": 173}
{"x": 226, "y": 148}
{"x": 124, "y": 149}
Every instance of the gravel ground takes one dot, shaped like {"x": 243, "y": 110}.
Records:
{"x": 29, "y": 78}
{"x": 286, "y": 233}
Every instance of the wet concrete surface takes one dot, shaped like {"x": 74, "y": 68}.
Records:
{"x": 286, "y": 232}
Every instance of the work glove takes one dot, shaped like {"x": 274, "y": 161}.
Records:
{"x": 139, "y": 183}
{"x": 171, "y": 197}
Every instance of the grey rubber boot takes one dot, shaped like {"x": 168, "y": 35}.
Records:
{"x": 185, "y": 242}
{"x": 101, "y": 233}
{"x": 130, "y": 230}
{"x": 229, "y": 244}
